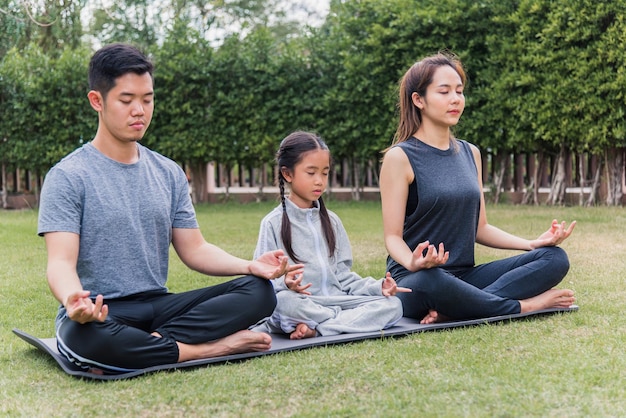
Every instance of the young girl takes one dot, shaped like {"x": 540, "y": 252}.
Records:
{"x": 431, "y": 191}
{"x": 335, "y": 300}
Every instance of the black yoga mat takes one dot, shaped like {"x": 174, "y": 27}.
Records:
{"x": 280, "y": 343}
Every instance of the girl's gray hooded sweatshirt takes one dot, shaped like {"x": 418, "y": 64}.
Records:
{"x": 340, "y": 301}
{"x": 329, "y": 276}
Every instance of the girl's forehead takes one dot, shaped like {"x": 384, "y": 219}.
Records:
{"x": 316, "y": 157}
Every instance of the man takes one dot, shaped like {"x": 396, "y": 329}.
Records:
{"x": 109, "y": 212}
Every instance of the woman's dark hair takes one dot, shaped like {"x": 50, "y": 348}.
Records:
{"x": 290, "y": 153}
{"x": 113, "y": 61}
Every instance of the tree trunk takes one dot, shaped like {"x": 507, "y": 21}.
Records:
{"x": 532, "y": 191}
{"x": 581, "y": 177}
{"x": 199, "y": 193}
{"x": 557, "y": 188}
{"x": 229, "y": 180}
{"x": 614, "y": 161}
{"x": 507, "y": 178}
{"x": 37, "y": 189}
{"x": 541, "y": 170}
{"x": 369, "y": 177}
{"x": 356, "y": 179}
{"x": 3, "y": 186}
{"x": 498, "y": 177}
{"x": 595, "y": 185}
{"x": 242, "y": 175}
{"x": 518, "y": 172}
{"x": 263, "y": 181}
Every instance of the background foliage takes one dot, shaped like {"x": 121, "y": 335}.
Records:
{"x": 234, "y": 77}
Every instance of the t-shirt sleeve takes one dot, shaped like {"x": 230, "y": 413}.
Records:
{"x": 184, "y": 211}
{"x": 60, "y": 205}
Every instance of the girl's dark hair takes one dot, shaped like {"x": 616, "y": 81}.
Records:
{"x": 416, "y": 80}
{"x": 113, "y": 61}
{"x": 290, "y": 153}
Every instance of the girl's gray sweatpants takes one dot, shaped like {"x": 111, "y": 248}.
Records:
{"x": 331, "y": 315}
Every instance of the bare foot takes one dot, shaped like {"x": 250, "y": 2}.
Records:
{"x": 302, "y": 331}
{"x": 432, "y": 317}
{"x": 553, "y": 298}
{"x": 243, "y": 341}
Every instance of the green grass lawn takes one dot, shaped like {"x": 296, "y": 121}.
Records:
{"x": 565, "y": 365}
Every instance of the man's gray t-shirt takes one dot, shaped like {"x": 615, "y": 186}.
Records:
{"x": 124, "y": 214}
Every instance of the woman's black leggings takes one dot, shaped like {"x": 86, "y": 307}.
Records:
{"x": 490, "y": 289}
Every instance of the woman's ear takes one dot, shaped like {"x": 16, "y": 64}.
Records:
{"x": 417, "y": 100}
{"x": 95, "y": 100}
{"x": 286, "y": 174}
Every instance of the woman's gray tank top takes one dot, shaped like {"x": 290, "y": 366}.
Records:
{"x": 443, "y": 204}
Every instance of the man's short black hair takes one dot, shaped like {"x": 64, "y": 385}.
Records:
{"x": 113, "y": 61}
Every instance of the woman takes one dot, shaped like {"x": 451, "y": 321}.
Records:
{"x": 434, "y": 212}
